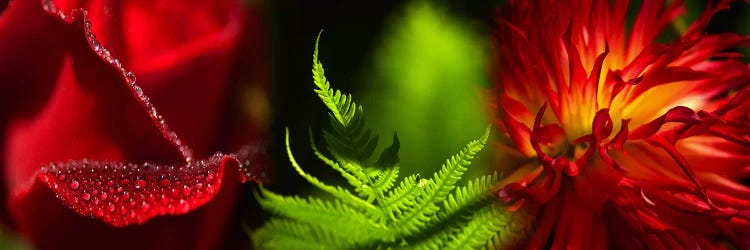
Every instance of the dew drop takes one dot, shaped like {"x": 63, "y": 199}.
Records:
{"x": 74, "y": 184}
{"x": 164, "y": 182}
{"x": 130, "y": 77}
{"x": 186, "y": 190}
{"x": 103, "y": 196}
{"x": 183, "y": 207}
{"x": 111, "y": 207}
{"x": 61, "y": 176}
{"x": 124, "y": 181}
{"x": 140, "y": 183}
{"x": 86, "y": 196}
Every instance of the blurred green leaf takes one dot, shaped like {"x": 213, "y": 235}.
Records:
{"x": 11, "y": 241}
{"x": 427, "y": 82}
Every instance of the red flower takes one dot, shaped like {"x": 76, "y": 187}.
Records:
{"x": 642, "y": 145}
{"x": 82, "y": 138}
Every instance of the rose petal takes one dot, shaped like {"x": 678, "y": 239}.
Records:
{"x": 92, "y": 85}
{"x": 122, "y": 194}
{"x": 50, "y": 224}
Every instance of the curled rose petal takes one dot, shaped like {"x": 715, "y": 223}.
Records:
{"x": 123, "y": 194}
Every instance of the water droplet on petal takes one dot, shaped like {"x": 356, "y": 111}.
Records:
{"x": 164, "y": 182}
{"x": 140, "y": 183}
{"x": 86, "y": 196}
{"x": 96, "y": 46}
{"x": 74, "y": 184}
{"x": 130, "y": 77}
{"x": 186, "y": 190}
{"x": 183, "y": 207}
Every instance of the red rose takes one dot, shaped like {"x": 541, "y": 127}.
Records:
{"x": 82, "y": 137}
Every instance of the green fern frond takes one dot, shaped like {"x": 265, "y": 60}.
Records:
{"x": 476, "y": 191}
{"x": 481, "y": 227}
{"x": 313, "y": 211}
{"x": 443, "y": 183}
{"x": 341, "y": 106}
{"x": 281, "y": 233}
{"x": 351, "y": 178}
{"x": 338, "y": 192}
{"x": 383, "y": 212}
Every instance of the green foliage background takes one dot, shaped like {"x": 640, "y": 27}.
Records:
{"x": 427, "y": 81}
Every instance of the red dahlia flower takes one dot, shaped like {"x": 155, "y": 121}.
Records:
{"x": 625, "y": 142}
{"x": 82, "y": 139}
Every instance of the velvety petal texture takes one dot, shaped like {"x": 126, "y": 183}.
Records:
{"x": 621, "y": 141}
{"x": 85, "y": 137}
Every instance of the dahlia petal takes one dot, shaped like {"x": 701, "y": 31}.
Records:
{"x": 677, "y": 114}
{"x": 652, "y": 223}
{"x": 548, "y": 134}
{"x": 547, "y": 221}
{"x": 696, "y": 28}
{"x": 678, "y": 158}
{"x": 646, "y": 57}
{"x": 619, "y": 140}
{"x": 602, "y": 125}
{"x": 667, "y": 75}
{"x": 520, "y": 133}
{"x": 514, "y": 125}
{"x": 711, "y": 46}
